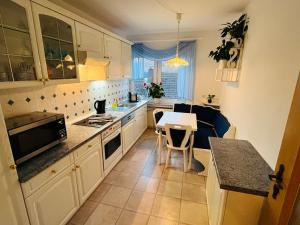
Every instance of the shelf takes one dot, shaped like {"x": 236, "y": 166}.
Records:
{"x": 227, "y": 75}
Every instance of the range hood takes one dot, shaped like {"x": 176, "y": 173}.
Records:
{"x": 91, "y": 59}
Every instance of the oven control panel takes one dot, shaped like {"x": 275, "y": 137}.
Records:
{"x": 111, "y": 129}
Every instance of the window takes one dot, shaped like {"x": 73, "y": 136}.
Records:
{"x": 157, "y": 71}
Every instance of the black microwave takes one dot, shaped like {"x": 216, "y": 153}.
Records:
{"x": 34, "y": 133}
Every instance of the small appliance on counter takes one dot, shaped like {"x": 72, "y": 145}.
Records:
{"x": 33, "y": 133}
{"x": 100, "y": 106}
{"x": 132, "y": 97}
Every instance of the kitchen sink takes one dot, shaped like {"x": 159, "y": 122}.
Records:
{"x": 127, "y": 105}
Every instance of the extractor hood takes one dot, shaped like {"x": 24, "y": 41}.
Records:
{"x": 91, "y": 59}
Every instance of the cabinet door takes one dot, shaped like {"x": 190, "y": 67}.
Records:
{"x": 112, "y": 51}
{"x": 128, "y": 136}
{"x": 19, "y": 61}
{"x": 89, "y": 39}
{"x": 89, "y": 173}
{"x": 126, "y": 60}
{"x": 55, "y": 202}
{"x": 57, "y": 45}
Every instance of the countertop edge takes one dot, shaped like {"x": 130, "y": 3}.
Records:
{"x": 68, "y": 151}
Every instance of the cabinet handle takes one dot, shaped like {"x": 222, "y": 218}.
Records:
{"x": 73, "y": 169}
{"x": 89, "y": 146}
{"x": 77, "y": 166}
{"x": 47, "y": 79}
{"x": 53, "y": 171}
{"x": 13, "y": 167}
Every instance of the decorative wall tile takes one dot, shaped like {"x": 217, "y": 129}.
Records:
{"x": 73, "y": 100}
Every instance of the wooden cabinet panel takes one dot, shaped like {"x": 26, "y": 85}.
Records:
{"x": 57, "y": 45}
{"x": 89, "y": 39}
{"x": 112, "y": 51}
{"x": 19, "y": 59}
{"x": 89, "y": 173}
{"x": 55, "y": 202}
{"x": 126, "y": 60}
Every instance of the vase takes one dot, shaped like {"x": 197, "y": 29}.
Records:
{"x": 222, "y": 64}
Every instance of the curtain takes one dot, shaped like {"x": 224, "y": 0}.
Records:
{"x": 185, "y": 80}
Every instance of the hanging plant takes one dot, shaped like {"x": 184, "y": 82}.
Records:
{"x": 233, "y": 35}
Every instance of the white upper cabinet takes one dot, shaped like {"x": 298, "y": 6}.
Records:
{"x": 112, "y": 51}
{"x": 89, "y": 39}
{"x": 126, "y": 60}
{"x": 19, "y": 60}
{"x": 57, "y": 45}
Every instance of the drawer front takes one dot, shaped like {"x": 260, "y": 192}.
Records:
{"x": 92, "y": 144}
{"x": 43, "y": 177}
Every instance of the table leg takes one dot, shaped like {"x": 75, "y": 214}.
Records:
{"x": 191, "y": 151}
{"x": 159, "y": 146}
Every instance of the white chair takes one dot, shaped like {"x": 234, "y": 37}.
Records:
{"x": 178, "y": 138}
{"x": 157, "y": 114}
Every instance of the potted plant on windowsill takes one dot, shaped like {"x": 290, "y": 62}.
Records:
{"x": 210, "y": 98}
{"x": 155, "y": 91}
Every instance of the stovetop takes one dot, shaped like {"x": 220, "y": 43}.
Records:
{"x": 98, "y": 120}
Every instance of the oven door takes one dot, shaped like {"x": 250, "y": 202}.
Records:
{"x": 112, "y": 148}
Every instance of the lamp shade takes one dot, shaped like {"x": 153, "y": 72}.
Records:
{"x": 177, "y": 61}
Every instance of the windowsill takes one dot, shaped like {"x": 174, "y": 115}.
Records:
{"x": 166, "y": 103}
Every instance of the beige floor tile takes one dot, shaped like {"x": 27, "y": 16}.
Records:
{"x": 170, "y": 188}
{"x": 147, "y": 184}
{"x": 99, "y": 193}
{"x": 159, "y": 221}
{"x": 166, "y": 207}
{"x": 172, "y": 175}
{"x": 117, "y": 196}
{"x": 194, "y": 193}
{"x": 129, "y": 166}
{"x": 126, "y": 179}
{"x": 83, "y": 213}
{"x": 193, "y": 213}
{"x": 140, "y": 202}
{"x": 104, "y": 214}
{"x": 131, "y": 218}
{"x": 153, "y": 171}
{"x": 193, "y": 178}
{"x": 113, "y": 175}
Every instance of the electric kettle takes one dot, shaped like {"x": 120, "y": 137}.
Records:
{"x": 100, "y": 106}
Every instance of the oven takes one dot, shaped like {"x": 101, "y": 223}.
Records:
{"x": 111, "y": 145}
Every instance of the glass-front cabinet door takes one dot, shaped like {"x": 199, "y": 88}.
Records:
{"x": 19, "y": 59}
{"x": 56, "y": 42}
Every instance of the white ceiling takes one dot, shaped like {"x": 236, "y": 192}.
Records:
{"x": 137, "y": 17}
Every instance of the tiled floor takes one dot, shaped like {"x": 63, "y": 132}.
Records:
{"x": 138, "y": 191}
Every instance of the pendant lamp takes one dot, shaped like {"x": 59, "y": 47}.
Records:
{"x": 177, "y": 61}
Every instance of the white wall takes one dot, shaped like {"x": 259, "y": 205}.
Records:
{"x": 259, "y": 104}
{"x": 205, "y": 66}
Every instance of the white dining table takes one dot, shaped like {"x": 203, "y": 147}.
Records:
{"x": 177, "y": 118}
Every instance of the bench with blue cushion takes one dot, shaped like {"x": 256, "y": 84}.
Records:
{"x": 211, "y": 123}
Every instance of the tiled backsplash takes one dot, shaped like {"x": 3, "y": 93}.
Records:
{"x": 73, "y": 100}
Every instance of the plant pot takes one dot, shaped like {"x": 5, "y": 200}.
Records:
{"x": 209, "y": 100}
{"x": 222, "y": 64}
{"x": 156, "y": 100}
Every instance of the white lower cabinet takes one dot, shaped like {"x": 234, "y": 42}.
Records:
{"x": 55, "y": 202}
{"x": 140, "y": 121}
{"x": 229, "y": 207}
{"x": 128, "y": 136}
{"x": 89, "y": 173}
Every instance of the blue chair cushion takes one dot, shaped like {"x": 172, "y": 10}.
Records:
{"x": 158, "y": 116}
{"x": 177, "y": 137}
{"x": 184, "y": 108}
{"x": 201, "y": 137}
{"x": 206, "y": 114}
{"x": 221, "y": 124}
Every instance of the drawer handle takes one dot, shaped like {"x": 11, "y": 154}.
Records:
{"x": 77, "y": 166}
{"x": 53, "y": 171}
{"x": 73, "y": 169}
{"x": 13, "y": 167}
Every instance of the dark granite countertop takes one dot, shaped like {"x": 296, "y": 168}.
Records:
{"x": 77, "y": 136}
{"x": 240, "y": 167}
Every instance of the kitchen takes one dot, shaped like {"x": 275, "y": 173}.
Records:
{"x": 77, "y": 126}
